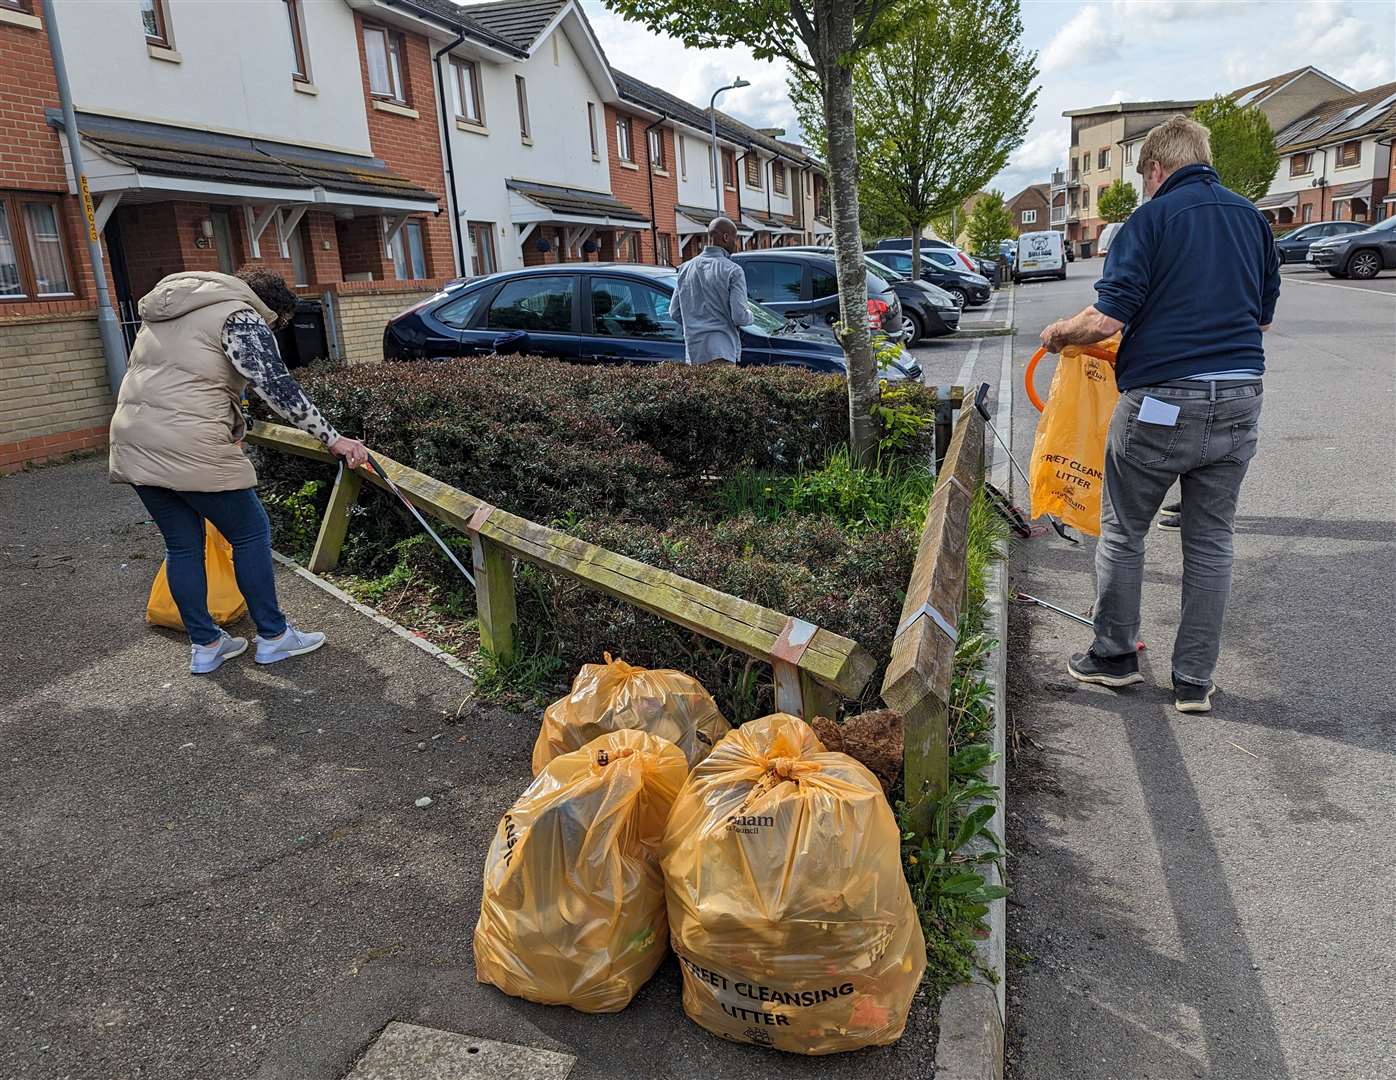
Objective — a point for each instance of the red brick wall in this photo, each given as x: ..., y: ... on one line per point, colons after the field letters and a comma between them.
x: 32, y: 155
x: 411, y: 147
x: 632, y: 185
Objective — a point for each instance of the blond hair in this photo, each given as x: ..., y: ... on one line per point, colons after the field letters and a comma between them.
x: 1180, y: 140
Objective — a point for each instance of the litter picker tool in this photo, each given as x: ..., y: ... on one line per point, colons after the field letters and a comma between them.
x: 420, y: 519
x: 979, y: 397
x: 1024, y: 598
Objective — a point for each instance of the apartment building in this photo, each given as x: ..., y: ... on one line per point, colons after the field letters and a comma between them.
x: 1336, y: 161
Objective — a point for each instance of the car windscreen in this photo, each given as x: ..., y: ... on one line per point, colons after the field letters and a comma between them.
x: 884, y: 272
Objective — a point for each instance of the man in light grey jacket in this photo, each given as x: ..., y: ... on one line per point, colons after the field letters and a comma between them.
x: 710, y: 299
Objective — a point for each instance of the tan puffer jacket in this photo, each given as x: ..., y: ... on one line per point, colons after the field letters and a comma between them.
x: 177, y: 422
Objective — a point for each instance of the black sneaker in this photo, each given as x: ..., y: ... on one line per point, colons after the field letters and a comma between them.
x: 1173, y: 523
x: 1189, y: 697
x: 1105, y: 670
x: 1172, y: 508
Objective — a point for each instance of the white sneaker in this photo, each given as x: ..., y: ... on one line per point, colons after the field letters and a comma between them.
x: 291, y: 643
x: 206, y: 658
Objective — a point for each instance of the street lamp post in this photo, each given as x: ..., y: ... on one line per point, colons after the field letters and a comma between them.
x: 735, y: 84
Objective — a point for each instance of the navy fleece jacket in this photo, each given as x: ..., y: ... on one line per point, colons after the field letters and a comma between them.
x: 1193, y: 275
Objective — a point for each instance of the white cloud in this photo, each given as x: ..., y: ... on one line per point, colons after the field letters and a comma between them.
x: 1088, y: 32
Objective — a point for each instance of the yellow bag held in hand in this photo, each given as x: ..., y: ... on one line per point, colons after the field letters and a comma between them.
x: 616, y: 695
x: 225, y: 602
x: 1068, y: 454
x: 788, y: 909
x: 573, y: 906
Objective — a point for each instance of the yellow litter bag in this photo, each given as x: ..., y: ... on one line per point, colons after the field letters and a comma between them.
x: 616, y: 695
x: 1068, y: 455
x: 573, y: 906
x: 225, y: 602
x: 788, y: 909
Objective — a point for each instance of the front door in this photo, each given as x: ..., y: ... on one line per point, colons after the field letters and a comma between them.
x: 223, y: 241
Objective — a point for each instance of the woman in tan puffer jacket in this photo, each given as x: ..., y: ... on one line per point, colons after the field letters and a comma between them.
x: 177, y: 433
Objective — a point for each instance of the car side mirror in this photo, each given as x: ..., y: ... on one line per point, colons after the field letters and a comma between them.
x: 511, y: 343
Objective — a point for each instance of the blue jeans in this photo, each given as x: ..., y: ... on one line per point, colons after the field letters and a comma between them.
x: 239, y: 516
x: 1208, y: 449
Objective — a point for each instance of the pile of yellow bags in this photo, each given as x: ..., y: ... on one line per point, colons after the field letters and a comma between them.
x: 774, y: 866
x: 614, y: 695
x: 788, y: 908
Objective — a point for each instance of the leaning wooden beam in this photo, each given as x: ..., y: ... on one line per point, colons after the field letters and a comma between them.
x: 828, y: 659
x: 917, y: 682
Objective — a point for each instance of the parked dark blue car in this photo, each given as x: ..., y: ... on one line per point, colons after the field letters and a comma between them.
x: 591, y: 313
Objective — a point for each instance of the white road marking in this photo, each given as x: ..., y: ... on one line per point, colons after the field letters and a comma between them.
x: 1335, y: 285
x: 967, y: 368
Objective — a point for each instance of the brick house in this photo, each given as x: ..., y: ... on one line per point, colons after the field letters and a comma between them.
x: 1335, y: 161
x: 1030, y: 208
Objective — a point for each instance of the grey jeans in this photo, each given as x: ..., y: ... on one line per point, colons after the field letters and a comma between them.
x: 1207, y: 450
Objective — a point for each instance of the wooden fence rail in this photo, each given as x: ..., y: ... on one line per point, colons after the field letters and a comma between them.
x: 813, y: 668
x: 917, y: 682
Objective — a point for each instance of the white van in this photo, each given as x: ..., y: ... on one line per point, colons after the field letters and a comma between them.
x: 1107, y: 236
x: 1040, y: 254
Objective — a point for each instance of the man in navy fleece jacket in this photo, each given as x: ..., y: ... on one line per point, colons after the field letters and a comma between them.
x: 1192, y: 279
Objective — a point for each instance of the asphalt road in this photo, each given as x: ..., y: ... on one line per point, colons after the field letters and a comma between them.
x: 1211, y: 896
x: 223, y: 877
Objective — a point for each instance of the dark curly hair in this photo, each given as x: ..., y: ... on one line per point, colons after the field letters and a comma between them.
x: 271, y: 289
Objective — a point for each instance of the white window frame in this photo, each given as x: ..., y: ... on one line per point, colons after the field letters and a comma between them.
x: 591, y: 130
x: 393, y: 42
x: 655, y: 147
x: 521, y: 97
x: 467, y: 73
x: 1029, y: 217
x: 625, y: 143
x: 681, y: 142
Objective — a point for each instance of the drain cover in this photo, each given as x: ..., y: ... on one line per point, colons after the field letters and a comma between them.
x: 411, y: 1052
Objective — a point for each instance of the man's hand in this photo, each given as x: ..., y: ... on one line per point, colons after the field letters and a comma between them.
x: 352, y: 451
x: 1054, y: 338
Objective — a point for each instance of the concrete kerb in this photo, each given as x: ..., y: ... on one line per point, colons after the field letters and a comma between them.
x: 972, y: 1015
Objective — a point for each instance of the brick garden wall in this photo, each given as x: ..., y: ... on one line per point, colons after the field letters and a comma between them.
x: 53, y: 388
x: 362, y: 310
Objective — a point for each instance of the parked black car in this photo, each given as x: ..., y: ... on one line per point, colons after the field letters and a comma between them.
x: 1294, y: 245
x: 927, y: 311
x: 1360, y: 255
x: 591, y: 313
x: 903, y: 243
x: 804, y: 286
x: 941, y: 268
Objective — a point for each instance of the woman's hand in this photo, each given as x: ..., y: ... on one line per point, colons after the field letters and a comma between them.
x: 352, y: 451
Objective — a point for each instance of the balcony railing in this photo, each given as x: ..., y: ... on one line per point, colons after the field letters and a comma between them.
x: 1061, y: 180
x: 1058, y: 215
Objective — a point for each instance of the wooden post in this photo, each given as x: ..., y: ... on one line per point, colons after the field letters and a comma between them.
x: 336, y: 521
x: 816, y: 699
x: 495, y: 604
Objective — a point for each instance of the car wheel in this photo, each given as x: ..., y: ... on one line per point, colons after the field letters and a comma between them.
x: 1062, y: 275
x: 959, y: 295
x: 911, y: 324
x: 1364, y: 265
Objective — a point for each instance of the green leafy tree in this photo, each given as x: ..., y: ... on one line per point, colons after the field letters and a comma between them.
x: 820, y: 39
x: 1117, y: 201
x: 939, y: 108
x: 989, y: 223
x: 1243, y: 145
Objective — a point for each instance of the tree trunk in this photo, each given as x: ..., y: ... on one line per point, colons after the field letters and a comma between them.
x: 916, y: 227
x: 834, y: 27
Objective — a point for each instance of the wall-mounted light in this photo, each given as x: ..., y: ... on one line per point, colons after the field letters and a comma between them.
x: 206, y: 227
x: 591, y: 247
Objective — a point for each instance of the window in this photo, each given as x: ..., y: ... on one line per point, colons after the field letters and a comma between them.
x: 591, y: 128
x: 157, y: 22
x: 460, y: 311
x: 482, y: 259
x: 940, y: 258
x: 1102, y: 160
x: 408, y: 252
x: 1075, y: 169
x: 384, y: 50
x: 770, y: 281
x: 536, y: 304
x: 300, y: 64
x: 666, y: 249
x: 1308, y: 214
x: 623, y: 148
x: 1029, y: 217
x: 630, y: 309
x: 1085, y: 163
x: 683, y: 156
x: 33, y: 257
x: 1350, y: 153
x: 630, y: 248
x: 469, y: 104
x: 17, y: 5
x: 296, y: 244
x: 1085, y: 198
x: 753, y: 171
x: 1129, y: 153
x: 1301, y: 164
x: 778, y: 177
x: 656, y: 140
x: 822, y: 284
x: 1099, y: 192
x: 521, y: 92
x: 712, y: 168
x: 729, y: 170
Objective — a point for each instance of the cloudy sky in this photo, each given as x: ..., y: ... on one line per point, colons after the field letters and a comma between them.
x: 1089, y: 53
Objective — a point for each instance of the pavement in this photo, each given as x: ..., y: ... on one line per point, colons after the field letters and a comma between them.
x: 1211, y: 896
x: 226, y: 876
